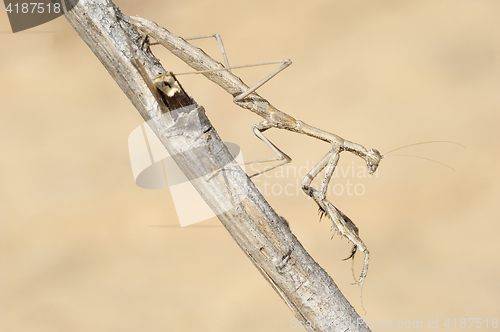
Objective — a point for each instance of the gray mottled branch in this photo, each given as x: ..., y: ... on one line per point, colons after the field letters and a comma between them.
x: 194, y: 144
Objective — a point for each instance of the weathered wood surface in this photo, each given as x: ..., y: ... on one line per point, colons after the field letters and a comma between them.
x: 194, y: 144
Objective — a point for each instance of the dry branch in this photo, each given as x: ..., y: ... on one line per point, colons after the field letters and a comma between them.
x: 194, y: 144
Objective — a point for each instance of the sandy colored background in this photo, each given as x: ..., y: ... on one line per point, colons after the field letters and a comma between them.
x: 78, y: 246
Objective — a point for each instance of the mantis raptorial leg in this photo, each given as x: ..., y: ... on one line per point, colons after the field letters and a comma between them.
x: 246, y: 97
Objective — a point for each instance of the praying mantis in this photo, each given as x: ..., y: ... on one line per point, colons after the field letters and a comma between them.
x: 246, y: 97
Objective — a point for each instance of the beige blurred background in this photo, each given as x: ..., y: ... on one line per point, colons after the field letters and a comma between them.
x: 82, y: 248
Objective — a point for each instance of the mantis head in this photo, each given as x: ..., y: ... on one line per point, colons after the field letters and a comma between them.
x: 373, y: 158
